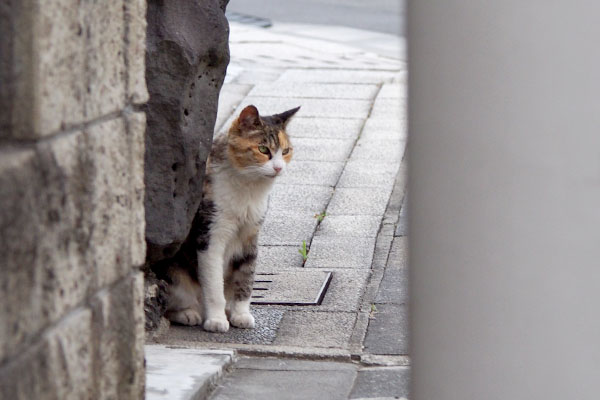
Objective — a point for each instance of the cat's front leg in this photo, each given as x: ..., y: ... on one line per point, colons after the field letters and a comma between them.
x: 210, y: 275
x: 242, y: 280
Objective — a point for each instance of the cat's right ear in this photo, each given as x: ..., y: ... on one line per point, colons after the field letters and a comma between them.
x: 249, y: 119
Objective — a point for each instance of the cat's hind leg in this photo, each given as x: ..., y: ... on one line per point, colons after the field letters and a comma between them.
x: 183, y: 306
x: 240, y: 289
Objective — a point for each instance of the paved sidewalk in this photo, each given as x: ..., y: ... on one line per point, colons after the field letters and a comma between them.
x: 349, y: 139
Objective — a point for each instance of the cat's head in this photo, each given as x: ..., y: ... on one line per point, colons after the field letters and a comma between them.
x: 259, y: 146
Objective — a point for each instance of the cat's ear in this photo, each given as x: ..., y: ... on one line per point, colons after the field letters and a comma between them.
x: 249, y: 118
x: 285, y: 116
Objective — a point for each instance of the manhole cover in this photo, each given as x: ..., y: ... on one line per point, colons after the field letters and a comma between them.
x: 291, y: 288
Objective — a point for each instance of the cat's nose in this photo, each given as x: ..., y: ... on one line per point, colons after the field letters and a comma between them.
x: 277, y: 169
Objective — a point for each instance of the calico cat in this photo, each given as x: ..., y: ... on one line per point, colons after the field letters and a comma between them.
x: 215, y: 288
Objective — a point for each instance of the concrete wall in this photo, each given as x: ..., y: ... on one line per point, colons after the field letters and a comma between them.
x: 505, y: 199
x: 71, y: 199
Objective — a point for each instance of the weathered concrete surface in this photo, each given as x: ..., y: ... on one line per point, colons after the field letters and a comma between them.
x: 186, y: 58
x: 71, y: 199
x: 256, y: 378
x: 182, y: 374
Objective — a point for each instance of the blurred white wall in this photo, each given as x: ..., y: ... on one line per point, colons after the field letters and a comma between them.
x: 504, y: 116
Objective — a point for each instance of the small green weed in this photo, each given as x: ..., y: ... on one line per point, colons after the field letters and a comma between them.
x: 302, y: 250
x: 320, y: 216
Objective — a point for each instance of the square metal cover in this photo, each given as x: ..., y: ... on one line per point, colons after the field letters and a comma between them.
x: 291, y: 288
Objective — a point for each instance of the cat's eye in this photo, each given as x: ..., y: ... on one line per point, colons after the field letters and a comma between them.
x: 264, y: 150
x: 285, y: 151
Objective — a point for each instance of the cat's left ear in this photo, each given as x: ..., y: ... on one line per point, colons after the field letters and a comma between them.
x: 285, y: 116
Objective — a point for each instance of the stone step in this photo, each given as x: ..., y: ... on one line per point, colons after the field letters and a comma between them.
x: 179, y: 373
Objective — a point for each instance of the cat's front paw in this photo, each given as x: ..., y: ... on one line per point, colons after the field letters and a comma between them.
x: 242, y: 320
x: 185, y: 317
x: 216, y: 325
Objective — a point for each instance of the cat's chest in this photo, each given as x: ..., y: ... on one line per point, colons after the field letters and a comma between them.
x: 246, y: 204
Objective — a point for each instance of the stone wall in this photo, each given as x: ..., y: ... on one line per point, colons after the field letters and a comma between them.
x: 71, y: 199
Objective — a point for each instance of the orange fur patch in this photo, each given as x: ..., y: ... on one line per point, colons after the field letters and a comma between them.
x: 284, y: 143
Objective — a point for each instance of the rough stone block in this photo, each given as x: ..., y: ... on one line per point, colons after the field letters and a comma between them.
x: 335, y: 252
x: 299, y: 198
x: 46, y: 69
x: 44, y: 225
x: 366, y: 173
x: 359, y: 201
x: 111, y: 218
x: 312, y: 173
x: 59, y: 366
x: 186, y: 57
x: 136, y: 128
x: 135, y: 40
x: 333, y: 128
x: 309, y: 149
x: 118, y: 339
x: 350, y: 226
x: 105, y: 49
x: 67, y: 231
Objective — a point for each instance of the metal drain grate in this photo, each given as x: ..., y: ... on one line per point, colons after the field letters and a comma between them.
x: 291, y: 288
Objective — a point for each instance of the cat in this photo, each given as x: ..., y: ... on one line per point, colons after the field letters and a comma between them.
x: 214, y: 288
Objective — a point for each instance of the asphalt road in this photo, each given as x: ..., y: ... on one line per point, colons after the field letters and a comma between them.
x: 385, y: 16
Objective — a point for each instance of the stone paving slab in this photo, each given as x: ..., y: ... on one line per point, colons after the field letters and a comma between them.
x: 335, y: 252
x: 182, y: 374
x: 359, y: 201
x: 287, y: 228
x: 312, y: 173
x: 296, y: 384
x: 315, y: 329
x: 345, y: 291
x: 332, y: 128
x: 392, y: 91
x: 332, y: 108
x: 382, y: 382
x: 398, y: 257
x: 299, y: 198
x: 322, y: 149
x: 394, y: 287
x: 274, y: 258
x: 388, y: 107
x: 350, y: 226
x: 388, y: 330
x: 336, y: 76
x: 367, y: 173
x: 283, y: 364
x: 378, y: 150
x: 316, y: 90
x: 267, y: 320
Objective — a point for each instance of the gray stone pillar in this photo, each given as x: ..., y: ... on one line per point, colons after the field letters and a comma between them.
x: 71, y: 199
x: 505, y: 199
x: 186, y: 60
